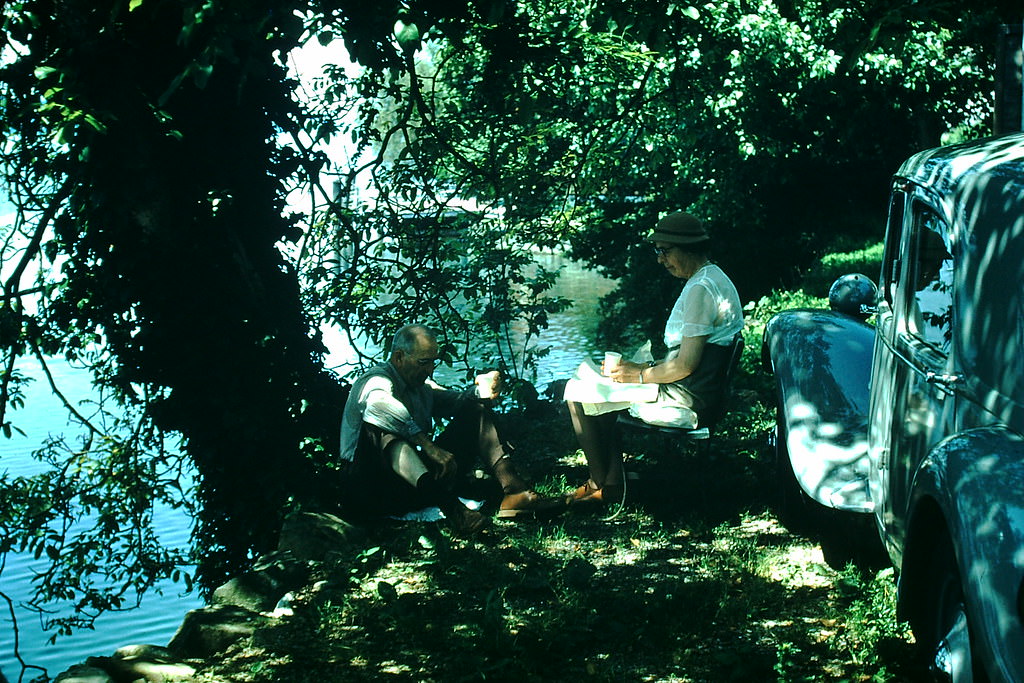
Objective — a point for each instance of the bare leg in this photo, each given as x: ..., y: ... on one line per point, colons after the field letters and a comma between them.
x: 406, y: 462
x: 598, y: 436
x: 474, y: 430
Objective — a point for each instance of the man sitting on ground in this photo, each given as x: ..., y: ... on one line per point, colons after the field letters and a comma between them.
x: 396, y: 465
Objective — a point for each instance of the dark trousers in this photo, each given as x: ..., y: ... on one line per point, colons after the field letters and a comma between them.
x: 372, y: 488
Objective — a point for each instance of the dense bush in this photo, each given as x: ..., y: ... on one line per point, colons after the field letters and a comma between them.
x: 825, y: 271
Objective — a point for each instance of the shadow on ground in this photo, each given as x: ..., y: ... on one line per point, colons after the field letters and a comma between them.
x: 695, y: 579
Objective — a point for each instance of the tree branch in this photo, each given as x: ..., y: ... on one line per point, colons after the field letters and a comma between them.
x: 35, y: 243
x: 37, y: 352
x: 14, y: 628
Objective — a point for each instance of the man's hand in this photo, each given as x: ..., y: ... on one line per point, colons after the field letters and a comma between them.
x: 442, y: 459
x: 488, y: 385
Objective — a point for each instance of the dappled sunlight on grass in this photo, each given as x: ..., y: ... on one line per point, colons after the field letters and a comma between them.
x: 575, y: 459
x: 800, y: 566
x: 695, y: 580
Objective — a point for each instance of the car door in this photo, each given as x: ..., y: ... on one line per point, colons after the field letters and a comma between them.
x: 911, y: 351
x: 884, y: 369
x: 923, y: 400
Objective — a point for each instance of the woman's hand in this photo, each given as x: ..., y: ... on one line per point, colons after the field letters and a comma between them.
x: 627, y: 371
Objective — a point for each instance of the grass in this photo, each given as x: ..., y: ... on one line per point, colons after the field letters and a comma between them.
x: 696, y: 580
x: 866, y: 260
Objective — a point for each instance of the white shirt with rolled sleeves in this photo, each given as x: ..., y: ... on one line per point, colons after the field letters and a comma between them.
x: 382, y: 398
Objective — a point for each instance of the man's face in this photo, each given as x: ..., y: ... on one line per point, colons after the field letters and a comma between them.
x: 417, y: 365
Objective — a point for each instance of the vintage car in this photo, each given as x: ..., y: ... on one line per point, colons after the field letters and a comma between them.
x: 918, y: 419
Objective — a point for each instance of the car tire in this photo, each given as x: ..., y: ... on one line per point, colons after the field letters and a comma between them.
x: 792, y: 502
x: 941, y: 627
x: 844, y: 537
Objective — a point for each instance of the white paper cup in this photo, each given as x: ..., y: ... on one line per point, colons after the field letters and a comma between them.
x: 611, y: 361
x: 487, y: 385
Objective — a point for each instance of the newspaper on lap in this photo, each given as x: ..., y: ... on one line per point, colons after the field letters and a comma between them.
x: 652, y: 403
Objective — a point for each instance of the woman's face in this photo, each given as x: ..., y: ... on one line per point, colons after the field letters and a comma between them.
x: 676, y: 261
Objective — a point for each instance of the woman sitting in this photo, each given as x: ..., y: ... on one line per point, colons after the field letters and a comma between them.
x: 698, y: 334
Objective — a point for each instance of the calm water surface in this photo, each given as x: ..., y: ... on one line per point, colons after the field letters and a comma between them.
x: 155, y: 622
x: 568, y: 338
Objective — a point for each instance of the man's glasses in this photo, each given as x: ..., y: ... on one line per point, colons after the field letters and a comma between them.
x: 661, y: 251
x: 428, y: 362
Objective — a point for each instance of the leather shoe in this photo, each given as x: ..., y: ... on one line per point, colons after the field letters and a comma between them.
x: 463, y: 521
x: 592, y: 494
x: 528, y: 503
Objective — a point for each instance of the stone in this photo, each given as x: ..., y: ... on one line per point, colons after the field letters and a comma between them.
x: 326, y: 593
x: 154, y: 653
x: 285, y: 607
x: 312, y: 536
x: 207, y: 631
x: 134, y: 670
x: 260, y: 590
x: 84, y: 673
x: 150, y: 663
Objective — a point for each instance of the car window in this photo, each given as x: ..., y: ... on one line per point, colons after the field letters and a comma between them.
x: 931, y: 272
x: 891, y: 258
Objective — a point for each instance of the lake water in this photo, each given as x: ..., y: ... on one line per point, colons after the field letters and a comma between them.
x: 569, y: 339
x: 566, y: 341
x: 154, y: 623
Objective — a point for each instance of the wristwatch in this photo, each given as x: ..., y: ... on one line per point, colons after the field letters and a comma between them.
x: 645, y: 366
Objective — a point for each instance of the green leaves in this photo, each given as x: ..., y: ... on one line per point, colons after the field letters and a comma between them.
x: 540, y: 126
x: 407, y: 34
x: 44, y: 72
x: 89, y: 514
x: 689, y: 11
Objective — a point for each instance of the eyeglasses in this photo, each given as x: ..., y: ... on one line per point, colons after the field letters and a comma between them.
x: 428, y: 362
x: 661, y: 251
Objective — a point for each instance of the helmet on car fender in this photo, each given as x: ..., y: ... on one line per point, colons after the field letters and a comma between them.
x: 853, y: 295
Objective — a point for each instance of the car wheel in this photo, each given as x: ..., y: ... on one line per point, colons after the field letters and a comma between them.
x: 943, y: 632
x: 844, y: 537
x: 792, y: 501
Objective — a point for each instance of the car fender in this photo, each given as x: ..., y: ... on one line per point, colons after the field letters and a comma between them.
x: 821, y: 360
x: 971, y: 486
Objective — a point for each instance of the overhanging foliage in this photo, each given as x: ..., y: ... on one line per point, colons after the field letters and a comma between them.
x: 144, y: 151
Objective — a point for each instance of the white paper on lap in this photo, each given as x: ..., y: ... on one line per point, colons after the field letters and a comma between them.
x: 589, y: 386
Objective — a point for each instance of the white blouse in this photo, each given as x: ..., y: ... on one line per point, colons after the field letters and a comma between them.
x: 708, y: 305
